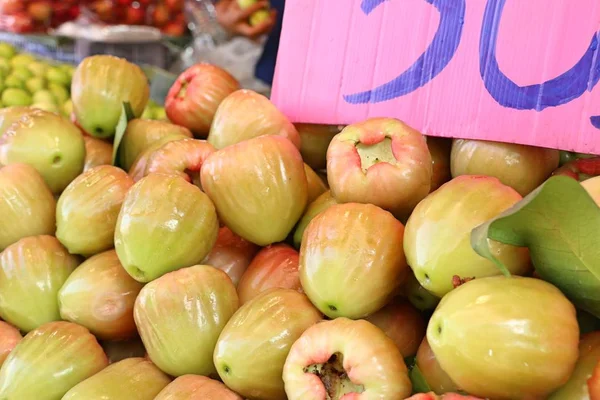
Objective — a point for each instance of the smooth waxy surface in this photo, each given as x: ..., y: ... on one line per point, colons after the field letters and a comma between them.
x: 437, y: 379
x: 9, y: 337
x: 183, y: 158
x: 97, y: 152
x: 9, y: 115
x: 195, y: 387
x: 321, y: 203
x: 138, y: 168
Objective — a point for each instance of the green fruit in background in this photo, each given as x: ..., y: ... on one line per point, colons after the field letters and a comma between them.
x: 16, y: 97
x: 320, y: 204
x: 13, y: 81
x: 46, y: 106
x: 147, y: 114
x: 130, y: 379
x: 22, y: 73
x: 48, y: 142
x: 58, y: 76
x: 179, y: 333
x: 44, y: 96
x: 49, y: 361
x: 160, y: 114
x: 35, y: 84
x: 68, y: 69
x: 60, y: 93
x: 7, y: 51
x: 259, y: 17
x: 32, y: 271
x: 165, y: 224
x: 5, y: 66
x: 27, y: 206
x: 21, y: 60
x: 67, y: 108
x: 101, y: 84
x: 87, y: 210
x: 2, y: 85
x: 38, y: 68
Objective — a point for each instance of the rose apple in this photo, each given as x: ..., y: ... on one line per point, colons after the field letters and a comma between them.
x: 180, y: 316
x: 97, y: 152
x: 141, y: 134
x: 402, y: 323
x: 231, y: 254
x: 175, y: 28
x: 101, y: 84
x: 437, y: 379
x: 275, y: 266
x: 195, y: 96
x: 244, y: 115
x: 135, y: 15
x: 27, y: 206
x: 10, y: 115
x: 164, y: 224
x: 316, y: 186
x: 194, y: 387
x: 160, y: 15
x: 49, y: 361
x: 344, y: 359
x: 133, y: 378
x: 40, y: 11
x: 117, y: 350
x: 418, y: 295
x: 174, y: 5
x: 521, y: 167
x: 351, y: 259
x: 440, y: 149
x: 48, y: 142
x: 138, y: 168
x: 594, y: 383
x: 265, y: 327
x: 10, y: 7
x: 314, y: 142
x: 381, y: 161
x: 593, y: 188
x: 87, y: 211
x: 321, y: 203
x: 439, y: 250
x: 252, y: 181
x: 448, y: 396
x: 32, y: 272
x: 506, y: 338
x: 9, y: 337
x: 580, y: 169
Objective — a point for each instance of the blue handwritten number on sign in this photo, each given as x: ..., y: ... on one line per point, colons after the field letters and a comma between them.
x: 432, y: 61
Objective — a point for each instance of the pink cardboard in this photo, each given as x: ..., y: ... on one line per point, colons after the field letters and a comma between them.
x: 519, y: 71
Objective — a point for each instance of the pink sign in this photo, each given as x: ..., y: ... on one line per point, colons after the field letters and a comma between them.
x: 521, y: 71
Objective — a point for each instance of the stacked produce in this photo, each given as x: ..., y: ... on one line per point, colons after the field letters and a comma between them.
x: 226, y: 253
x: 28, y: 16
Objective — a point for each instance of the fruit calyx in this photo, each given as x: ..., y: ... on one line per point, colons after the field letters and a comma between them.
x: 334, y: 377
x: 375, y: 153
x: 457, y: 280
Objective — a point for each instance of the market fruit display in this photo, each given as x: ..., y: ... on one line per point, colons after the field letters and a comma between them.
x: 273, y: 260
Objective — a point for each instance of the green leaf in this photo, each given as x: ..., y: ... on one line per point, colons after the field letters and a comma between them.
x: 419, y: 383
x: 126, y: 116
x: 560, y: 224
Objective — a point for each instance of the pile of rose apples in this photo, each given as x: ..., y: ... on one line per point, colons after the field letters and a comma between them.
x: 230, y: 254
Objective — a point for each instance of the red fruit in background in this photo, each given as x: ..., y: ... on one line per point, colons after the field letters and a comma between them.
x: 174, y: 29
x: 40, y: 10
x: 174, y: 5
x: 103, y: 9
x: 594, y: 383
x: 19, y: 23
x: 9, y: 7
x: 135, y: 15
x: 160, y: 15
x: 124, y: 2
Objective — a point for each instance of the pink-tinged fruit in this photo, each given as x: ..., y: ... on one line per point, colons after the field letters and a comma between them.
x: 447, y: 396
x: 97, y: 152
x: 9, y: 337
x: 138, y: 168
x: 195, y: 387
x: 321, y: 203
x: 437, y: 379
x: 594, y: 383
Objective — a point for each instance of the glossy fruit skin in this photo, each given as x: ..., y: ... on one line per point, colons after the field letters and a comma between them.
x: 195, y: 387
x: 183, y: 158
x: 9, y: 337
x: 138, y: 168
x: 275, y: 266
x: 194, y: 98
x: 521, y: 167
x: 438, y: 241
x: 231, y: 254
x: 132, y: 379
x: 10, y: 115
x: 447, y: 396
x: 251, y: 181
x: 87, y: 211
x: 321, y: 203
x: 171, y: 314
x: 27, y: 206
x: 100, y: 295
x: 402, y: 323
x: 32, y: 272
x: 314, y: 142
x: 522, y: 333
x: 59, y: 148
x: 244, y: 115
x: 316, y: 185
x: 440, y: 149
x: 265, y: 327
x: 370, y: 358
x: 417, y: 295
x: 589, y: 356
x: 49, y: 361
x: 437, y: 379
x: 164, y: 224
x: 593, y: 188
x: 100, y: 86
x: 97, y: 152
x: 140, y: 134
x: 396, y: 184
x: 351, y: 259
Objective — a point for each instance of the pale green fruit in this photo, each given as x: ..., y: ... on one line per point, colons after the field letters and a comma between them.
x: 67, y: 108
x: 5, y: 66
x: 97, y: 152
x: 87, y: 211
x: 180, y: 315
x: 50, y: 143
x: 49, y: 361
x: 160, y: 114
x: 316, y: 185
x: 8, y: 115
x: 35, y: 84
x: 21, y: 60
x: 44, y: 96
x: 7, y: 50
x: 14, y: 82
x: 130, y: 379
x: 101, y: 84
x: 265, y: 327
x: 69, y: 69
x: 195, y: 387
x: 59, y: 92
x: 10, y: 337
x: 27, y: 206
x: 16, y: 97
x: 165, y: 224
x: 38, y: 68
x: 259, y: 17
x: 32, y: 271
x: 320, y: 204
x: 58, y: 76
x: 505, y: 338
x: 50, y: 107
x: 22, y: 73
x: 148, y: 113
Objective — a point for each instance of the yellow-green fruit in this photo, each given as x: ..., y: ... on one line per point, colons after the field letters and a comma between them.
x: 10, y: 337
x: 32, y: 271
x: 87, y: 211
x: 130, y: 379
x: 38, y: 68
x: 50, y: 107
x: 67, y: 108
x: 505, y: 338
x: 138, y: 168
x: 9, y: 115
x: 180, y: 315
x: 60, y: 93
x: 22, y: 60
x: 59, y: 76
x: 316, y: 185
x: 47, y: 141
x: 49, y: 361
x: 44, y: 96
x: 97, y: 152
x: 265, y: 327
x: 437, y: 240
x: 253, y: 180
x: 15, y: 97
x: 27, y: 206
x: 100, y: 86
x: 195, y: 387
x: 35, y: 84
x: 259, y: 17
x: 7, y: 51
x: 165, y: 224
x: 321, y: 203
